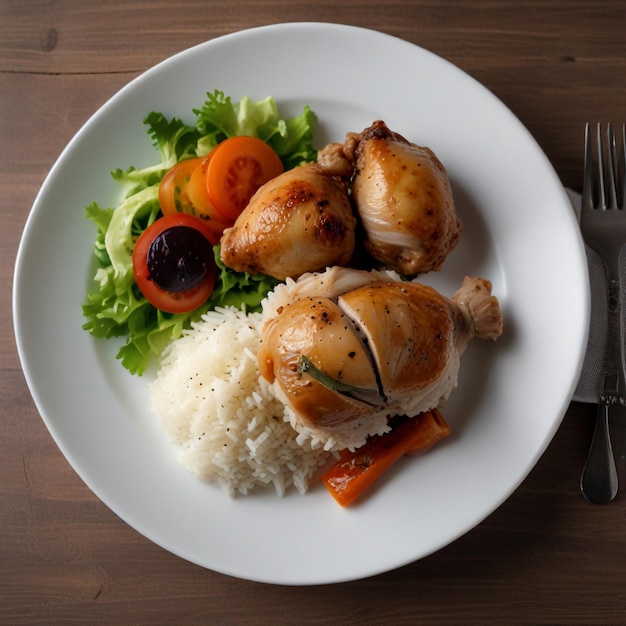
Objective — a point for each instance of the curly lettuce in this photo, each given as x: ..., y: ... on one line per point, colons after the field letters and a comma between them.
x: 291, y: 139
x: 115, y: 306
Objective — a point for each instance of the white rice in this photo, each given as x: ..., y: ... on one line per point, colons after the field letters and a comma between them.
x: 213, y: 403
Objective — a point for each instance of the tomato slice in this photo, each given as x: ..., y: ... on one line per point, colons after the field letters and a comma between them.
x: 183, y: 279
x: 238, y: 167
x: 173, y: 196
x: 198, y: 195
x: 183, y: 190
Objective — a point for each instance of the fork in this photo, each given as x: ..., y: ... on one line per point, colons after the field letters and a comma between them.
x: 603, y: 225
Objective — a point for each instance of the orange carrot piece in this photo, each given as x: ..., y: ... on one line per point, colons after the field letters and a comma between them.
x: 355, y: 471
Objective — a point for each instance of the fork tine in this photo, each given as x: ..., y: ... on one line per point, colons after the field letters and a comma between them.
x: 617, y: 171
x: 587, y: 198
x: 601, y: 196
x: 604, y: 182
x: 612, y: 164
x: 621, y: 172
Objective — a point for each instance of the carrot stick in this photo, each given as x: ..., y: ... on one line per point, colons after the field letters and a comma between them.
x: 355, y: 471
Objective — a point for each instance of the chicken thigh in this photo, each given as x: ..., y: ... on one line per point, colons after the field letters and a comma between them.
x: 300, y: 221
x: 301, y: 340
x: 402, y: 195
x: 378, y: 345
x: 417, y: 336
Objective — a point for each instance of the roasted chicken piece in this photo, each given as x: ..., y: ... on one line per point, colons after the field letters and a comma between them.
x: 302, y: 339
x: 402, y: 195
x: 369, y: 347
x: 417, y: 336
x: 300, y: 221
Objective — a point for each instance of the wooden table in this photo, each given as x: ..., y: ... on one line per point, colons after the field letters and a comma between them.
x: 545, y: 556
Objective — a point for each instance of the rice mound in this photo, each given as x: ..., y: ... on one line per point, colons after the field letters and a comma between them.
x: 211, y: 400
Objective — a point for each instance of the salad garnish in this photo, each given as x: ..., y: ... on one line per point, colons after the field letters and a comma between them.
x: 117, y: 306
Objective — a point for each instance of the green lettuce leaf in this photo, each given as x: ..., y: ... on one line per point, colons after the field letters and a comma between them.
x: 239, y: 289
x: 292, y: 138
x: 175, y: 141
x: 115, y: 307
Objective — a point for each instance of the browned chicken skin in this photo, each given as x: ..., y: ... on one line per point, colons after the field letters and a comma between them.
x: 378, y: 346
x: 346, y: 349
x: 402, y: 195
x: 308, y: 326
x: 301, y: 221
x: 410, y: 331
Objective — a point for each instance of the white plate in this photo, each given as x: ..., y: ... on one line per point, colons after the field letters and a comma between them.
x: 519, y: 232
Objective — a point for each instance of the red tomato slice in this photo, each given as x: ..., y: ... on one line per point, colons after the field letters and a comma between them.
x: 238, y: 167
x: 183, y: 190
x: 162, y: 278
x: 173, y: 196
x: 198, y: 196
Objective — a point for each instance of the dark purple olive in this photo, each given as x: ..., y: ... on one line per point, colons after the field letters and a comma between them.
x: 179, y: 258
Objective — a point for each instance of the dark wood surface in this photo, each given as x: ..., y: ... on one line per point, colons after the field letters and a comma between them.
x: 545, y: 556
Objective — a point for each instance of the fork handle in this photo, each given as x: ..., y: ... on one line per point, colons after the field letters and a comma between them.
x: 615, y: 334
x: 598, y: 482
